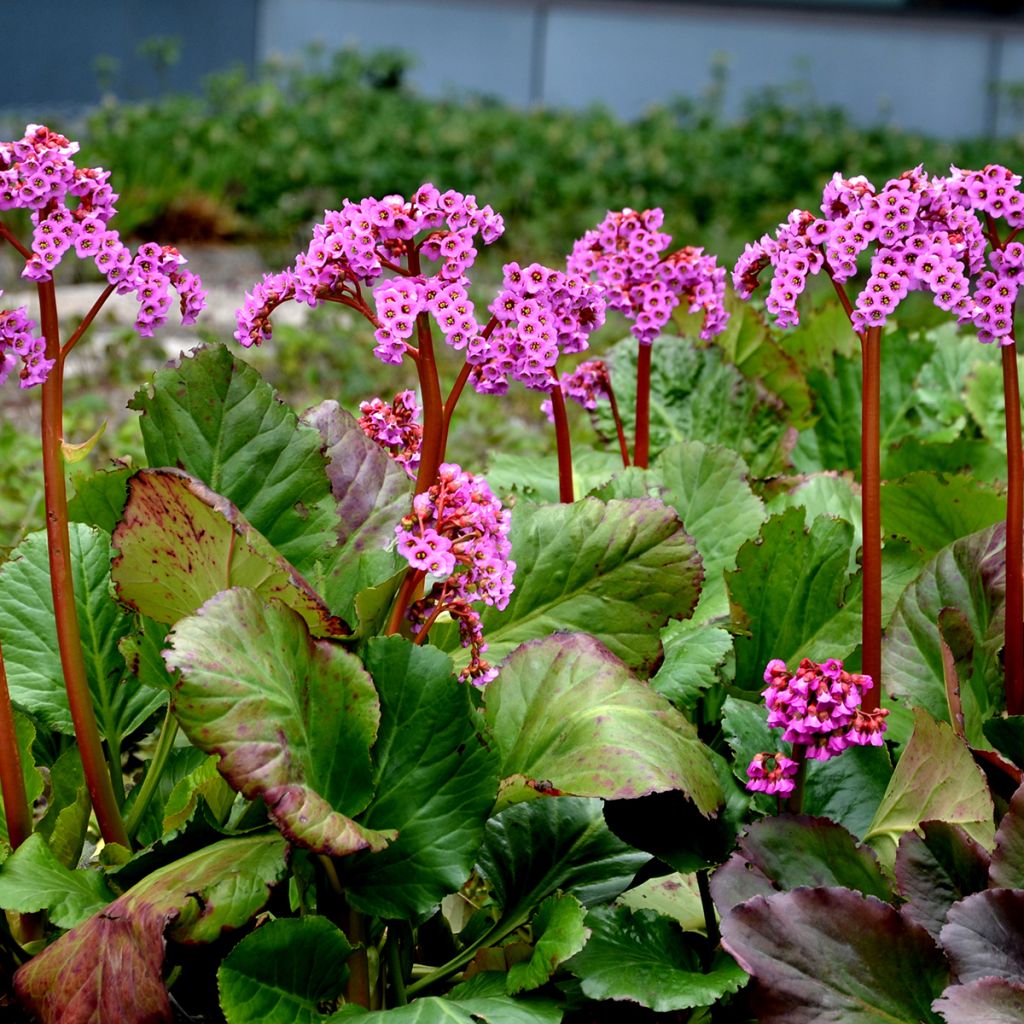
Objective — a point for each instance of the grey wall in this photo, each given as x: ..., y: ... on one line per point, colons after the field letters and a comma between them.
x: 912, y: 70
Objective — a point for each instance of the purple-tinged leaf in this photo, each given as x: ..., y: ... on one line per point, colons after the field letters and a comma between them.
x: 371, y: 492
x: 984, y: 936
x: 834, y: 955
x: 180, y: 543
x: 736, y: 881
x: 110, y: 967
x: 936, y: 779
x: 566, y: 710
x: 1007, y: 867
x: 291, y: 716
x: 937, y: 868
x: 986, y: 1001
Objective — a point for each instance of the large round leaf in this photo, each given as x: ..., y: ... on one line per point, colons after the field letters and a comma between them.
x: 832, y: 954
x: 992, y: 1000
x: 566, y: 710
x: 433, y: 779
x: 618, y: 570
x: 291, y: 717
x: 1007, y: 867
x: 984, y: 936
x: 643, y: 957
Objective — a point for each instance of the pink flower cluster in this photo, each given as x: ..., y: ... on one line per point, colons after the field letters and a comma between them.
x: 458, y: 529
x: 924, y: 234
x: 540, y: 314
x: 584, y: 385
x: 353, y: 246
x: 772, y: 773
x: 18, y: 338
x: 71, y: 207
x: 819, y: 707
x: 394, y: 428
x: 623, y: 254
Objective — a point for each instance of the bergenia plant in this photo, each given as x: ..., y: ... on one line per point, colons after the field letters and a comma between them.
x: 71, y: 208
x: 625, y: 255
x: 916, y: 233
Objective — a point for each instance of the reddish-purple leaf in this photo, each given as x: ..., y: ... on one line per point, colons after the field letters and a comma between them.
x: 984, y: 936
x: 834, y: 955
x: 935, y: 870
x: 986, y: 1001
x: 1007, y: 868
x: 110, y: 967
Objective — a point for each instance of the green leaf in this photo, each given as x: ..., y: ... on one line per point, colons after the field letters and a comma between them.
x: 371, y: 493
x: 29, y: 637
x: 833, y: 954
x: 618, y: 571
x: 99, y: 498
x: 848, y: 788
x: 985, y: 398
x: 291, y: 716
x: 824, y: 494
x: 932, y: 511
x: 788, y: 595
x: 434, y: 780
x: 707, y: 486
x: 202, y: 785
x: 644, y: 958
x: 534, y: 849
x: 696, y: 395
x: 282, y: 972
x: 694, y: 653
x: 969, y: 576
x: 537, y: 479
x: 936, y: 778
x: 180, y: 765
x: 745, y: 725
x: 565, y: 709
x: 180, y: 543
x: 32, y: 879
x: 676, y: 896
x: 31, y: 777
x: 112, y: 963
x: 559, y: 933
x: 1006, y: 734
x: 434, y: 1010
x: 64, y: 824
x: 212, y: 416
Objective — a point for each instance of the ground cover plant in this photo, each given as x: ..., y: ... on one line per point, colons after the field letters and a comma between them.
x: 304, y: 721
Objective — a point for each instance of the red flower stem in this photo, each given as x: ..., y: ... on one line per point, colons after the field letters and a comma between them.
x: 565, y: 490
x: 22, y: 251
x: 413, y: 578
x: 430, y: 388
x: 16, y: 808
x: 453, y: 399
x: 642, y: 443
x: 871, y: 514
x: 623, y: 446
x: 86, y: 321
x: 76, y: 682
x: 1013, y: 656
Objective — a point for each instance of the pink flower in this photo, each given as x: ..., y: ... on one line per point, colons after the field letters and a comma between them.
x: 772, y: 773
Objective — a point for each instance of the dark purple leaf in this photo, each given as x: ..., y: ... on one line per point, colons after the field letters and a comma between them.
x: 1007, y: 868
x: 986, y: 1001
x: 984, y: 936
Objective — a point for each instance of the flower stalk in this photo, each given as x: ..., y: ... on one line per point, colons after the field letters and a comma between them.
x: 16, y: 808
x: 1014, y: 636
x: 871, y: 513
x: 565, y: 485
x: 642, y: 441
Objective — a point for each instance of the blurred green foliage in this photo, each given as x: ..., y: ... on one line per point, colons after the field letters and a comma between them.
x: 261, y: 158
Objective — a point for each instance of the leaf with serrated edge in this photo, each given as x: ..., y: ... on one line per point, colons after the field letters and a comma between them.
x: 984, y: 936
x: 180, y: 543
x: 212, y: 415
x: 618, y: 571
x: 32, y: 879
x: 988, y: 1000
x: 282, y: 972
x: 565, y: 709
x: 109, y: 967
x: 1007, y: 866
x: 291, y: 716
x: 787, y: 590
x: 693, y: 654
x: 29, y: 637
x: 642, y: 957
x: 835, y: 955
x: 559, y: 933
x: 935, y: 778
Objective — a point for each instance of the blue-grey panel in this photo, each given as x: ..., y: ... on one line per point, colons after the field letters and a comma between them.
x: 928, y: 77
x: 457, y: 46
x: 52, y: 60
x: 1010, y: 91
